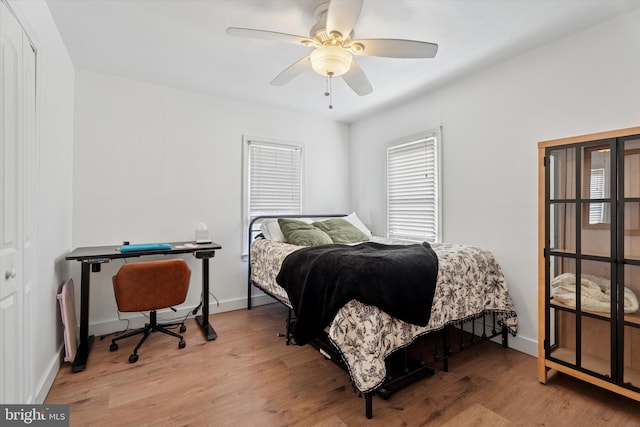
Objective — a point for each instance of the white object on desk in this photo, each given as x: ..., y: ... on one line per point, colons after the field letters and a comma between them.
x: 202, y: 233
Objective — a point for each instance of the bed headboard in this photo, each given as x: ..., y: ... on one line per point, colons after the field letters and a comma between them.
x: 263, y: 217
x: 250, y: 239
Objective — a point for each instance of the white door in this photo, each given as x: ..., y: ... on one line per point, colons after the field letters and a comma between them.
x: 17, y: 141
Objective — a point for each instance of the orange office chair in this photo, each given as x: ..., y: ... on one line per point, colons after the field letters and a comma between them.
x: 150, y: 286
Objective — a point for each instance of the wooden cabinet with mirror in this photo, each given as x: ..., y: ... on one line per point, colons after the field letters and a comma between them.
x: 589, y: 234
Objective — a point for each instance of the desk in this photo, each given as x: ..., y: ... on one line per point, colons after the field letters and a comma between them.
x: 93, y: 257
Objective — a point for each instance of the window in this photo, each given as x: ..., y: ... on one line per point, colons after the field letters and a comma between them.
x: 413, y: 205
x: 596, y: 173
x: 273, y: 180
x: 597, y: 191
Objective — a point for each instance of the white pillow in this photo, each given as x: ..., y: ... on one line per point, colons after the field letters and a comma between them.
x: 271, y: 230
x: 353, y: 219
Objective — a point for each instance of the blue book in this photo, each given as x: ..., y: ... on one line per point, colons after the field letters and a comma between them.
x: 145, y: 247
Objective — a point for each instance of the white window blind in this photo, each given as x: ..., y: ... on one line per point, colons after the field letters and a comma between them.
x: 272, y: 181
x: 275, y: 173
x: 412, y: 190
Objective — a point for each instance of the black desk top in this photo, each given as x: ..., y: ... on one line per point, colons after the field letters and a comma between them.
x: 112, y: 252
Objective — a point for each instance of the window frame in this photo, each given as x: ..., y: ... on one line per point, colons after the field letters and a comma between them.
x: 247, y: 142
x: 433, y: 139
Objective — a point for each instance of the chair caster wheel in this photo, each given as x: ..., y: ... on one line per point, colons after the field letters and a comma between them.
x: 183, y: 328
x: 113, y: 347
x: 133, y: 358
x: 182, y: 344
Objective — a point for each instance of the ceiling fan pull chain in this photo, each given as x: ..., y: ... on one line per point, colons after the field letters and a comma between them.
x: 326, y: 86
x: 329, y: 91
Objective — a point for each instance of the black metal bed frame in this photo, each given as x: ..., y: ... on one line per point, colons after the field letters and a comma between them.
x: 408, y: 364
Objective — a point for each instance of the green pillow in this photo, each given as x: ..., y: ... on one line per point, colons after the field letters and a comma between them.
x: 302, y: 234
x: 341, y: 231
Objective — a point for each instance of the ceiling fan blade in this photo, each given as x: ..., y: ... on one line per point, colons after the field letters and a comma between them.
x: 342, y: 16
x: 269, y: 35
x: 357, y: 80
x: 396, y: 48
x: 292, y: 72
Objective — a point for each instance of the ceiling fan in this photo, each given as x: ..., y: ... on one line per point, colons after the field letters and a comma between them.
x: 334, y: 46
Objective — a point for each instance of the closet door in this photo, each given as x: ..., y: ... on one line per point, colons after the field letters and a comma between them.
x: 18, y: 185
x: 30, y: 165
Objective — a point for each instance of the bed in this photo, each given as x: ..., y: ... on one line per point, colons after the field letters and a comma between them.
x: 382, y: 353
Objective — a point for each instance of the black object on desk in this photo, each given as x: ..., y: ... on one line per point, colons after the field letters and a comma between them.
x: 92, y: 257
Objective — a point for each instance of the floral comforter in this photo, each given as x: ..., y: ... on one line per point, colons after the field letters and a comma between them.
x: 470, y: 282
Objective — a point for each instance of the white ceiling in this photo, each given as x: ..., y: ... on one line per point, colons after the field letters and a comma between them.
x: 183, y: 44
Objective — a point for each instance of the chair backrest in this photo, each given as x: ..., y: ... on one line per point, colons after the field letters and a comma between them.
x: 151, y: 285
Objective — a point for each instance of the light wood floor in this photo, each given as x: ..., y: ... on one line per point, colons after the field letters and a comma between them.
x: 249, y: 377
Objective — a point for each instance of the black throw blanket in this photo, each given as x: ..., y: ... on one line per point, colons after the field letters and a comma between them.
x: 398, y: 279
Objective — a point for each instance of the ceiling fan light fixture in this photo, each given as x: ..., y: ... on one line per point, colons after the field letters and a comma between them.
x: 333, y: 41
x: 330, y: 60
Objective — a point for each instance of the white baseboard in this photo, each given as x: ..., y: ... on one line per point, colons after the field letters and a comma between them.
x: 137, y: 320
x: 240, y: 303
x: 521, y: 344
x: 45, y: 383
x: 524, y: 344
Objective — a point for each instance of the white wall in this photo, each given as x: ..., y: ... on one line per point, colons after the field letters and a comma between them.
x: 492, y: 121
x: 55, y: 75
x: 151, y: 162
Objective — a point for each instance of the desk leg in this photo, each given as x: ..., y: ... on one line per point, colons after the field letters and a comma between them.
x: 203, y: 320
x: 82, y: 354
